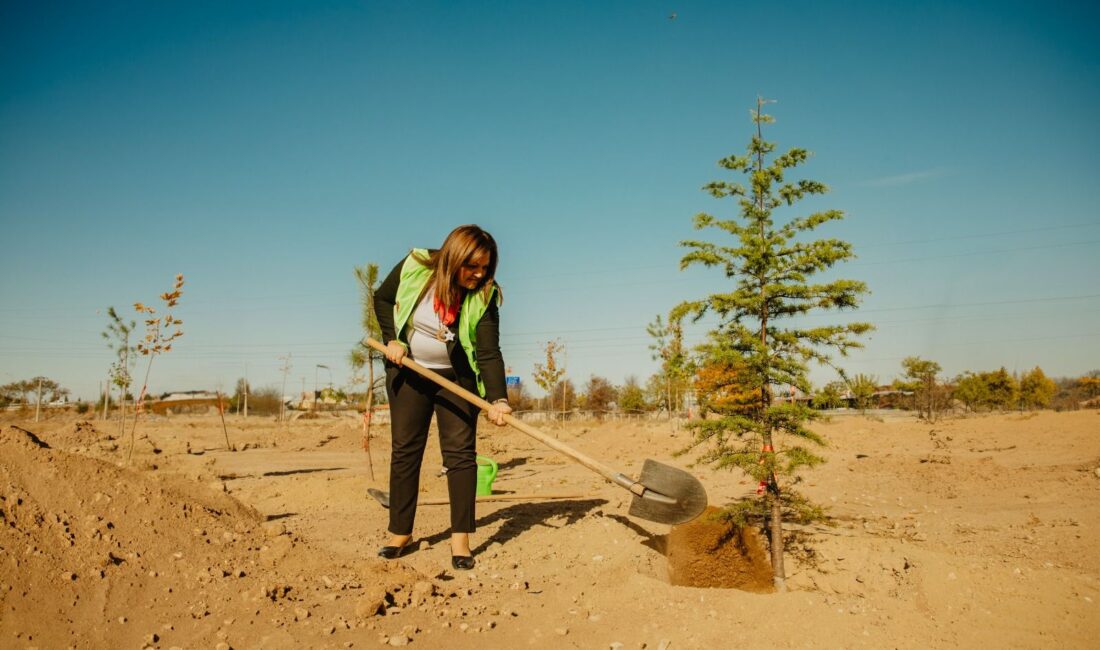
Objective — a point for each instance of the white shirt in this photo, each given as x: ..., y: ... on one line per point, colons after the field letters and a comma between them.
x: 424, y: 347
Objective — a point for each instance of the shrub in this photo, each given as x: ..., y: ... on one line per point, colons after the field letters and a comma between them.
x: 264, y: 401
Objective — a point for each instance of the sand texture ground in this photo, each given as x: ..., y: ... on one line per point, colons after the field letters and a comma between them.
x: 971, y: 532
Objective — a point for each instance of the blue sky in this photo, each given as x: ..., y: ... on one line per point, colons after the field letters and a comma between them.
x: 265, y: 149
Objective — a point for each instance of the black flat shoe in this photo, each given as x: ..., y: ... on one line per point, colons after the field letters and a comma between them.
x: 462, y: 562
x: 391, y: 552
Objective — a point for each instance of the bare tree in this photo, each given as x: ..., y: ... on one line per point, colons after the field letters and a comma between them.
x: 158, y: 340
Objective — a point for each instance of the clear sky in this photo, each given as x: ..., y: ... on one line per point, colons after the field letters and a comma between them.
x: 265, y: 149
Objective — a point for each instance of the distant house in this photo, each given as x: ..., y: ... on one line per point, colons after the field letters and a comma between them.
x: 191, y: 401
x: 789, y: 393
x: 189, y: 394
x: 887, y: 397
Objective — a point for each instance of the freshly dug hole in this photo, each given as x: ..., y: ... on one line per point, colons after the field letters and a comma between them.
x: 708, y: 552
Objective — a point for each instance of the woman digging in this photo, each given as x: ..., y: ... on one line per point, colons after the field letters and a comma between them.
x: 439, y: 307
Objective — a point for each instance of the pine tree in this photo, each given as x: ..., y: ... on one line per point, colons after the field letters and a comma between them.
x: 668, y: 347
x: 771, y: 266
x: 723, y: 383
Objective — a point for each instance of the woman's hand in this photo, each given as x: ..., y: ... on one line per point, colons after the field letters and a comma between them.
x: 395, y: 352
x: 497, y: 411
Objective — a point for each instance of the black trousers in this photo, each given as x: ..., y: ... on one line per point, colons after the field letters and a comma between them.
x: 413, y: 401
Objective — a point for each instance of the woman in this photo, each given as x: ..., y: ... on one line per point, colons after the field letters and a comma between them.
x: 439, y: 307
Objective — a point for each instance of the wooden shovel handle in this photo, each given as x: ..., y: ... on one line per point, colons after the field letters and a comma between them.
x: 591, y: 463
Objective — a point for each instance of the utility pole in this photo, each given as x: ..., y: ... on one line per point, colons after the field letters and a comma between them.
x: 38, y: 404
x: 317, y: 395
x: 564, y: 365
x: 246, y: 391
x: 282, y: 395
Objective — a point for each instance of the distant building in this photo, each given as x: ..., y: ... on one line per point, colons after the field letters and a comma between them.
x: 188, y: 395
x: 190, y: 401
x: 789, y: 393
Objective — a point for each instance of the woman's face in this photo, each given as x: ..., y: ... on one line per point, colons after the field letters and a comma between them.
x: 471, y: 273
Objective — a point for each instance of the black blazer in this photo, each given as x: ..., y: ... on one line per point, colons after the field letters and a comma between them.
x: 489, y: 359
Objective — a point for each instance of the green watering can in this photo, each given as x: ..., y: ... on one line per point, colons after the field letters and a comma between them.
x: 486, y: 472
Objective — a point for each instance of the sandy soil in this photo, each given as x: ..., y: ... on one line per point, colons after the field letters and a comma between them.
x: 967, y: 533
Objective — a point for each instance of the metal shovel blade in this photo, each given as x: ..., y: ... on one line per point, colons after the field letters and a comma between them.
x: 665, y: 484
x: 380, y: 496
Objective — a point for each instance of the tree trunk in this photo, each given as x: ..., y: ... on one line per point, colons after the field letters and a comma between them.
x: 368, y: 412
x: 930, y: 388
x: 776, y: 516
x: 246, y: 391
x: 775, y: 519
x: 144, y: 386
x: 779, y: 575
x: 221, y: 413
x: 282, y: 399
x: 121, y: 412
x: 38, y: 402
x: 668, y: 396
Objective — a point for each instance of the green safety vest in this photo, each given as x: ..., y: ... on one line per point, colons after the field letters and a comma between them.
x: 414, y: 277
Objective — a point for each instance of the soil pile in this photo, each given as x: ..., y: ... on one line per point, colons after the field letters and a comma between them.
x: 95, y: 555
x: 710, y: 552
x: 82, y: 436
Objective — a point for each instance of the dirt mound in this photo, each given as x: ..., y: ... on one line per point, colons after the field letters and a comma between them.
x: 80, y: 538
x: 100, y: 439
x: 94, y: 554
x: 709, y: 552
x: 78, y: 434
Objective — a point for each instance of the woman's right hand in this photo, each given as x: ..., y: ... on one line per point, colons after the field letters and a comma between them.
x: 395, y: 352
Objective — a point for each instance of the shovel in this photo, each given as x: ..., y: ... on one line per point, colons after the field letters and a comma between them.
x: 664, y: 494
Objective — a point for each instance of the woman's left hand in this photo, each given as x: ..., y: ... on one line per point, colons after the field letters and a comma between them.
x: 497, y: 412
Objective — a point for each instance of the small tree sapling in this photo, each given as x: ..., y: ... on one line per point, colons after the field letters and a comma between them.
x: 157, y: 341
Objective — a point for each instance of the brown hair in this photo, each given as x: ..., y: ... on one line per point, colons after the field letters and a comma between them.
x: 460, y: 246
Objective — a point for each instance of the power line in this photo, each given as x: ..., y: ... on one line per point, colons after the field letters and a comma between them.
x: 973, y: 254
x: 1085, y: 224
x: 619, y: 351
x: 588, y: 286
x: 976, y: 304
x: 312, y: 346
x: 351, y: 295
x: 859, y: 246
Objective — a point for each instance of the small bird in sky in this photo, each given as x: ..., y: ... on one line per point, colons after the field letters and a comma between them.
x: 672, y: 16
